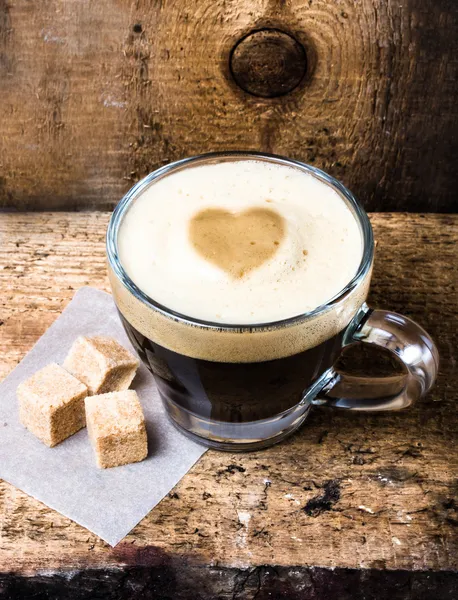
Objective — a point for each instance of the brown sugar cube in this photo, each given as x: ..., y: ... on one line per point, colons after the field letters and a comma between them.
x: 102, y: 364
x: 51, y: 404
x: 116, y: 427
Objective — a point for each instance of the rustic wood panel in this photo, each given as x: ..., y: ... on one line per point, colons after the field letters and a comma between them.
x: 160, y: 582
x: 93, y: 95
x: 318, y: 516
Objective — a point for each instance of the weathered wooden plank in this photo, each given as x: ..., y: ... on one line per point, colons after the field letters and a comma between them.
x: 348, y: 491
x: 93, y: 95
x: 166, y: 581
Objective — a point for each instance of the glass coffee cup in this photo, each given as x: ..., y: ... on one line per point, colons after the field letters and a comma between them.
x: 247, y: 385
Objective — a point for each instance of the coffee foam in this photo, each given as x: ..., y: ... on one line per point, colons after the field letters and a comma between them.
x: 242, y: 344
x: 237, y: 243
x: 156, y: 229
x: 238, y: 274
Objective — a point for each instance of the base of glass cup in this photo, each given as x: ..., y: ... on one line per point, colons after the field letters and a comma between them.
x: 237, y: 437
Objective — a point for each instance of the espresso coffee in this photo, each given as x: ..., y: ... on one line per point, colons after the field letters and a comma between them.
x: 230, y: 254
x: 233, y: 392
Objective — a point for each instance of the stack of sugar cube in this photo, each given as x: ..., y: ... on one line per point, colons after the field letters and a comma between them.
x: 90, y: 388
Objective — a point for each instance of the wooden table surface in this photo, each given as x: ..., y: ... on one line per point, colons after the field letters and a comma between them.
x: 352, y: 506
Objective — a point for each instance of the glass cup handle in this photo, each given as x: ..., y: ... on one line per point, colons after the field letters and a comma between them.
x: 404, y: 338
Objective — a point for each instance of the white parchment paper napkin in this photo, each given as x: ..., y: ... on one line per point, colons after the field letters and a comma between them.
x: 109, y: 502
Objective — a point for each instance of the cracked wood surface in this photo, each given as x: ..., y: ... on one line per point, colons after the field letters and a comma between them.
x: 94, y: 95
x: 348, y: 490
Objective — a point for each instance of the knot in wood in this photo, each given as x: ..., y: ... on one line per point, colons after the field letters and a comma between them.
x: 268, y: 63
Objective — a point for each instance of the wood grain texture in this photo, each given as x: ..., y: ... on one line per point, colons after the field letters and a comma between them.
x: 268, y: 63
x: 94, y: 95
x: 348, y: 491
x: 162, y: 580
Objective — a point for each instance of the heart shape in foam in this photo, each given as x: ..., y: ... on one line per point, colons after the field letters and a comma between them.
x: 237, y: 242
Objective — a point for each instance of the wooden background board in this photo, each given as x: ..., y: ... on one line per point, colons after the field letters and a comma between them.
x: 318, y: 516
x: 94, y: 95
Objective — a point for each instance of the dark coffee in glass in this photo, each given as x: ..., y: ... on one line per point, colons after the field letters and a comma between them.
x: 234, y: 392
x: 239, y: 278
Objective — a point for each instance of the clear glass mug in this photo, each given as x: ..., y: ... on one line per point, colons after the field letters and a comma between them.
x: 237, y: 387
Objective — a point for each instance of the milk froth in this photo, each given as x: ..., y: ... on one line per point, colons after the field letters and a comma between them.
x: 308, y: 242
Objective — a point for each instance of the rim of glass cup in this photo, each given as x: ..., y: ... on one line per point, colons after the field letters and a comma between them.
x: 143, y: 184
